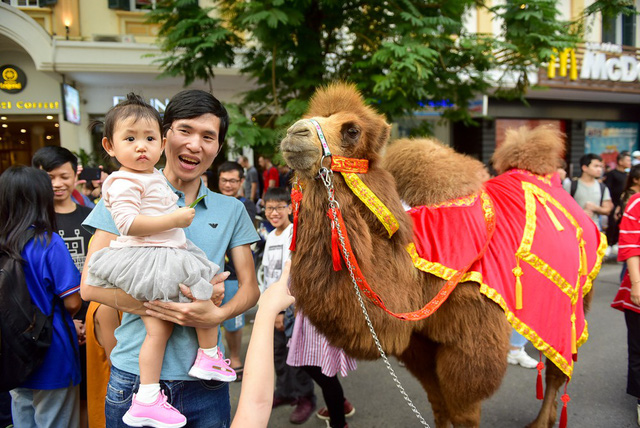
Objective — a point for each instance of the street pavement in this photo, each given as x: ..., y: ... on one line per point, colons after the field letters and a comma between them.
x: 597, y: 390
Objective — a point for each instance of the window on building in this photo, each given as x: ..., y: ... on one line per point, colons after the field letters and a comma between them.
x: 620, y: 30
x: 22, y: 3
x: 143, y: 4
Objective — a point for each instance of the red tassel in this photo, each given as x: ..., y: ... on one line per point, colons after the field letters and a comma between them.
x: 539, y: 387
x: 563, y: 414
x: 335, y: 246
x: 294, y: 235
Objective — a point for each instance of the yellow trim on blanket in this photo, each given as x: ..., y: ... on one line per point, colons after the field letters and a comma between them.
x: 445, y: 273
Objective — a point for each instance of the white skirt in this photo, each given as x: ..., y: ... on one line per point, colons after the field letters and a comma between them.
x: 153, y: 273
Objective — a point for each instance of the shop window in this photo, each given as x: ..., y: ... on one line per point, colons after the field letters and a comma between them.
x: 620, y: 30
x: 135, y: 5
x: 28, y: 3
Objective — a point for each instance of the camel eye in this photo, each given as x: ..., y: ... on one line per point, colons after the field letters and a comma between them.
x: 353, y: 132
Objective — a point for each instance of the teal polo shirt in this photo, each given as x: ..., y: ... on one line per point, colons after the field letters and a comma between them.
x: 221, y: 223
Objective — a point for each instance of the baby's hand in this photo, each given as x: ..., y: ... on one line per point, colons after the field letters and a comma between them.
x: 183, y: 216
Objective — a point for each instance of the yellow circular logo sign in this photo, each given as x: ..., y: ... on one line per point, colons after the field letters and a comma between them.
x: 13, y: 79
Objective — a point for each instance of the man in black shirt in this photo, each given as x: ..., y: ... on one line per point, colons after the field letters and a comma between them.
x: 615, y: 181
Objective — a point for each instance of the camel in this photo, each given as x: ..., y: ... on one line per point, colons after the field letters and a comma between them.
x: 458, y: 353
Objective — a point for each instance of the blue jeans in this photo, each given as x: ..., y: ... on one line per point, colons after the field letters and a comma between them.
x: 46, y: 408
x: 205, y: 403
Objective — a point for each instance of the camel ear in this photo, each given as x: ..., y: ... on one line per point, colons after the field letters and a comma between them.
x: 382, y: 138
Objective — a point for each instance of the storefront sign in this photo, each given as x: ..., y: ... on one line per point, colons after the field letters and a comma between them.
x: 12, y: 79
x: 607, y: 139
x: 29, y: 105
x: 594, y: 66
x: 156, y: 103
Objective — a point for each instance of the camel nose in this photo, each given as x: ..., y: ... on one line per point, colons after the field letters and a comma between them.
x: 299, y: 129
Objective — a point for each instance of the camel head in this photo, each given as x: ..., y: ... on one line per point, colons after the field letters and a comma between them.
x: 352, y: 130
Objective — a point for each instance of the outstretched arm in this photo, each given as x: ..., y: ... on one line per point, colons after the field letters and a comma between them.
x: 256, y: 396
x: 144, y: 225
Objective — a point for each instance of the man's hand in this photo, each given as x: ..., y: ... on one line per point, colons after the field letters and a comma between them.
x: 198, y: 314
x: 279, y: 324
x: 590, y: 208
x: 80, y: 331
x: 635, y: 293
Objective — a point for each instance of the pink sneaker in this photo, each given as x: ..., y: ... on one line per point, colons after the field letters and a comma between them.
x: 158, y: 414
x: 208, y: 368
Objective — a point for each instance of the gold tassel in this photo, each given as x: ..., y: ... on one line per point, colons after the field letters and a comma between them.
x: 553, y: 218
x: 583, y: 260
x: 574, y: 341
x: 517, y: 271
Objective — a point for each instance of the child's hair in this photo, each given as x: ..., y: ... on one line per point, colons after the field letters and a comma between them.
x: 51, y: 157
x: 134, y: 106
x: 229, y: 166
x: 192, y: 103
x: 277, y: 194
x: 26, y: 199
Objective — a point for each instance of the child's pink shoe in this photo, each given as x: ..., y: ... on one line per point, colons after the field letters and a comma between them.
x: 159, y: 414
x: 208, y: 368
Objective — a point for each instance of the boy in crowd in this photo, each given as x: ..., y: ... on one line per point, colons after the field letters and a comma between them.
x: 293, y: 385
x: 592, y: 195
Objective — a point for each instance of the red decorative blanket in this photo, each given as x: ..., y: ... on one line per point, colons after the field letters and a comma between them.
x: 542, y: 259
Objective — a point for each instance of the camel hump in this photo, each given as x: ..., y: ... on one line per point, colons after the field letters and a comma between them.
x: 339, y: 97
x: 427, y: 172
x: 537, y: 150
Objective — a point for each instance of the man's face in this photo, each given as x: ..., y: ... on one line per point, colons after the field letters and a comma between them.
x: 63, y: 181
x: 625, y: 162
x: 191, y: 146
x: 594, y: 169
x: 262, y: 162
x: 229, y: 183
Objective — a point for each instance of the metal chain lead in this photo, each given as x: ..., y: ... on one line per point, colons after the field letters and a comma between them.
x: 326, y: 175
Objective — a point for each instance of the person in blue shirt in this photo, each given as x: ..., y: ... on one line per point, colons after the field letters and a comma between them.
x: 50, y: 396
x: 194, y: 127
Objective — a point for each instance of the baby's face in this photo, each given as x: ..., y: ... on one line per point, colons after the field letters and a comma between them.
x: 137, y: 144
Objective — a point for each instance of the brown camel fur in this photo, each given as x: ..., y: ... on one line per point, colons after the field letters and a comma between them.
x: 459, y: 353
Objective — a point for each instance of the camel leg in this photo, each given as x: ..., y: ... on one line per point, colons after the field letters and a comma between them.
x: 554, y: 379
x: 419, y: 359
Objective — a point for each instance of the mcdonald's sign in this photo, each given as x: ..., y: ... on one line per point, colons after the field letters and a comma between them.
x: 594, y: 66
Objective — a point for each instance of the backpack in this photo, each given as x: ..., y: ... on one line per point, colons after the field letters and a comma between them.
x: 574, y: 187
x: 25, y: 332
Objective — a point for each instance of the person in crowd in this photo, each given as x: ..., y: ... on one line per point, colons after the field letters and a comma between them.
x: 101, y: 324
x: 592, y: 195
x: 49, y: 397
x: 230, y: 180
x: 152, y: 255
x: 562, y: 172
x: 627, y: 299
x: 250, y: 188
x: 517, y: 355
x: 635, y: 158
x: 615, y: 181
x: 194, y: 128
x: 285, y: 176
x: 270, y: 175
x: 293, y: 385
x: 61, y: 166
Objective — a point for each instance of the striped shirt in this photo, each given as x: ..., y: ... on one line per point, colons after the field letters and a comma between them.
x: 308, y: 347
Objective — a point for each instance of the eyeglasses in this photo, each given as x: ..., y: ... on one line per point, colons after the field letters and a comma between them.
x: 232, y: 181
x: 279, y: 208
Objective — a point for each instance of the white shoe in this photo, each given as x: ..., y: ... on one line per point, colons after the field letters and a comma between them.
x: 520, y: 357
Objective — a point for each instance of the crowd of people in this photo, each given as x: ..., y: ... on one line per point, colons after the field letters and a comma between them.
x: 139, y: 350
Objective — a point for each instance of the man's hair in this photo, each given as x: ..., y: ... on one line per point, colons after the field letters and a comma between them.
x: 623, y: 154
x: 192, y: 103
x: 277, y: 194
x: 588, y: 158
x: 229, y: 166
x: 51, y: 157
